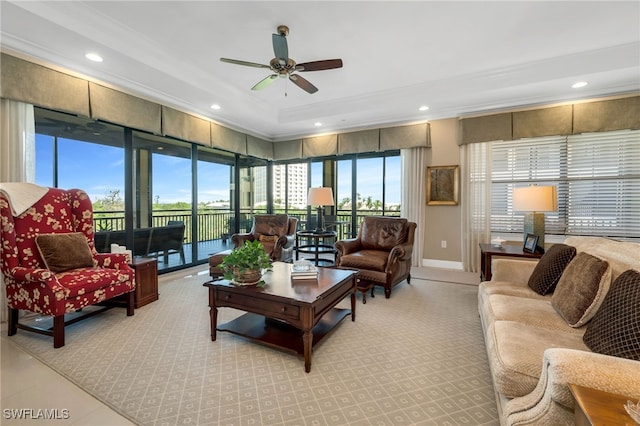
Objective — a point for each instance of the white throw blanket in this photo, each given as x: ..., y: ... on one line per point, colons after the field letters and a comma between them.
x: 22, y: 195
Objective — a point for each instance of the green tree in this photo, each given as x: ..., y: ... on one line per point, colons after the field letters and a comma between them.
x: 112, y: 201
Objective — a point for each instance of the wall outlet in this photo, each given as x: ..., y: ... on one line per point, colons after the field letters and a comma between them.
x: 443, y: 244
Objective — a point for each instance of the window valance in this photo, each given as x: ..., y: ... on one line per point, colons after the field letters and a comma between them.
x: 34, y: 84
x: 228, y: 139
x: 117, y: 107
x: 184, y: 126
x: 597, y: 116
x: 361, y: 141
x: 259, y: 148
x: 320, y: 146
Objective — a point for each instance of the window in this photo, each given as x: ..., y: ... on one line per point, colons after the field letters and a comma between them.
x: 597, y: 176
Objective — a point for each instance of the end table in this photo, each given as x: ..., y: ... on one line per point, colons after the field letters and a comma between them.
x: 596, y: 407
x: 146, y: 280
x: 488, y: 251
x: 316, y: 248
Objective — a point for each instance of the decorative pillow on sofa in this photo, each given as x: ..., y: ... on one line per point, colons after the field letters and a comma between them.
x: 615, y: 328
x: 62, y: 252
x: 268, y: 238
x: 581, y: 289
x: 549, y: 269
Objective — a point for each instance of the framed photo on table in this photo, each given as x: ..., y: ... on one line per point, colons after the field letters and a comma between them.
x: 530, y: 243
x: 443, y: 184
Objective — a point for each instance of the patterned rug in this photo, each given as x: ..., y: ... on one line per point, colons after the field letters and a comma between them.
x: 417, y: 358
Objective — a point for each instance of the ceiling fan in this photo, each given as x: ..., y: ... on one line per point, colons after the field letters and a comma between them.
x: 283, y: 66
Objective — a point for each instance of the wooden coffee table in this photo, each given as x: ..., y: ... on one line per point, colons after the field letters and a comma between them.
x: 290, y: 315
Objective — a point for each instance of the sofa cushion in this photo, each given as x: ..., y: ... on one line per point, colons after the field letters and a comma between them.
x: 535, y: 312
x: 373, y: 260
x: 581, y: 289
x: 549, y: 269
x: 63, y: 252
x: 510, y: 289
x: 516, y: 351
x: 621, y: 255
x: 615, y: 328
x: 268, y: 238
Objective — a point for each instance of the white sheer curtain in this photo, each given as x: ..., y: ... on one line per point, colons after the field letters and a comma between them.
x: 476, y: 208
x: 17, y: 155
x: 17, y: 142
x: 414, y: 166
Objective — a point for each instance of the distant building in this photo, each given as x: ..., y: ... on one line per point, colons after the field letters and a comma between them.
x: 295, y: 175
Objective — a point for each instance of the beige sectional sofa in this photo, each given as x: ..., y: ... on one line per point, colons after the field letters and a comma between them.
x: 533, y: 351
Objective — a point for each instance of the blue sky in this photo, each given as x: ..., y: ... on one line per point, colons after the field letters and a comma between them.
x: 99, y: 169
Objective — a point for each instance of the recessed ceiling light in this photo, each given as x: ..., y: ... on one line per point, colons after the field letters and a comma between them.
x: 423, y: 108
x: 93, y: 57
x: 317, y: 124
x: 579, y: 84
x: 215, y: 106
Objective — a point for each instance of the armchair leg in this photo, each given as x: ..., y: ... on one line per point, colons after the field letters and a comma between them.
x: 131, y: 303
x: 13, y: 321
x: 58, y: 331
x: 409, y: 279
x: 387, y: 292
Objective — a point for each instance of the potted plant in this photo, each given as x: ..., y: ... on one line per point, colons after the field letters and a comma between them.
x: 244, y: 264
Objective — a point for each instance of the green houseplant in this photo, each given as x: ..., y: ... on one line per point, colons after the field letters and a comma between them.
x: 244, y: 264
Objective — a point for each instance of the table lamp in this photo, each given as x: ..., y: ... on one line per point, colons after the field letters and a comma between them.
x: 534, y: 200
x: 320, y: 197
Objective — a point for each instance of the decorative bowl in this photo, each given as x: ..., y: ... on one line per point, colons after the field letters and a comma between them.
x: 497, y: 242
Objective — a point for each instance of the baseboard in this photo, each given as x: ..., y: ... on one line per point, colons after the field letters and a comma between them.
x: 444, y: 264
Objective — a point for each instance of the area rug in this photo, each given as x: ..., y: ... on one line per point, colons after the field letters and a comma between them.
x: 416, y: 358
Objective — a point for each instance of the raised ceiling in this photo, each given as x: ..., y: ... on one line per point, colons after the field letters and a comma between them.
x: 458, y: 58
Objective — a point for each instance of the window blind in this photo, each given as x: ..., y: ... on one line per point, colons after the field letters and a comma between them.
x: 597, y: 176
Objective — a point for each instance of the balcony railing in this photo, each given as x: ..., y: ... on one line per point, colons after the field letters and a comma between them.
x: 219, y: 225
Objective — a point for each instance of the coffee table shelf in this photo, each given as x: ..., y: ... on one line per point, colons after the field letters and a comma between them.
x: 278, y: 334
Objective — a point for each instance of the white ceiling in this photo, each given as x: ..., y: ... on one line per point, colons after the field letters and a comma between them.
x: 459, y: 58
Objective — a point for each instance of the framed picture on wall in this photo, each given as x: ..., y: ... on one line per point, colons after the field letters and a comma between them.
x: 443, y: 183
x: 530, y: 243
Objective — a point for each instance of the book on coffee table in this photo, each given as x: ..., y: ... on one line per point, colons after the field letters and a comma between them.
x: 307, y: 273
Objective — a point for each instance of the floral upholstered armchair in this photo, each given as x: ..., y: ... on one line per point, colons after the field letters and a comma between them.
x: 49, y: 262
x: 276, y: 232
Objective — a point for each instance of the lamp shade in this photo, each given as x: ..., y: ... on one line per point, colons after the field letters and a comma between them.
x: 535, y: 199
x: 320, y: 197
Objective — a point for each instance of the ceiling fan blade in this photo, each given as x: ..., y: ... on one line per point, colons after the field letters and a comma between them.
x: 326, y: 64
x: 303, y: 83
x: 245, y: 63
x: 265, y: 82
x: 280, y: 48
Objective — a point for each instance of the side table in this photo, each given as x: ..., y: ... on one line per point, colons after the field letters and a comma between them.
x: 146, y: 280
x: 596, y: 407
x: 317, y: 247
x: 488, y: 251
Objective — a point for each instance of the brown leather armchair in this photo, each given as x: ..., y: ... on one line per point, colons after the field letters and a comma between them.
x: 381, y: 252
x: 276, y: 232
